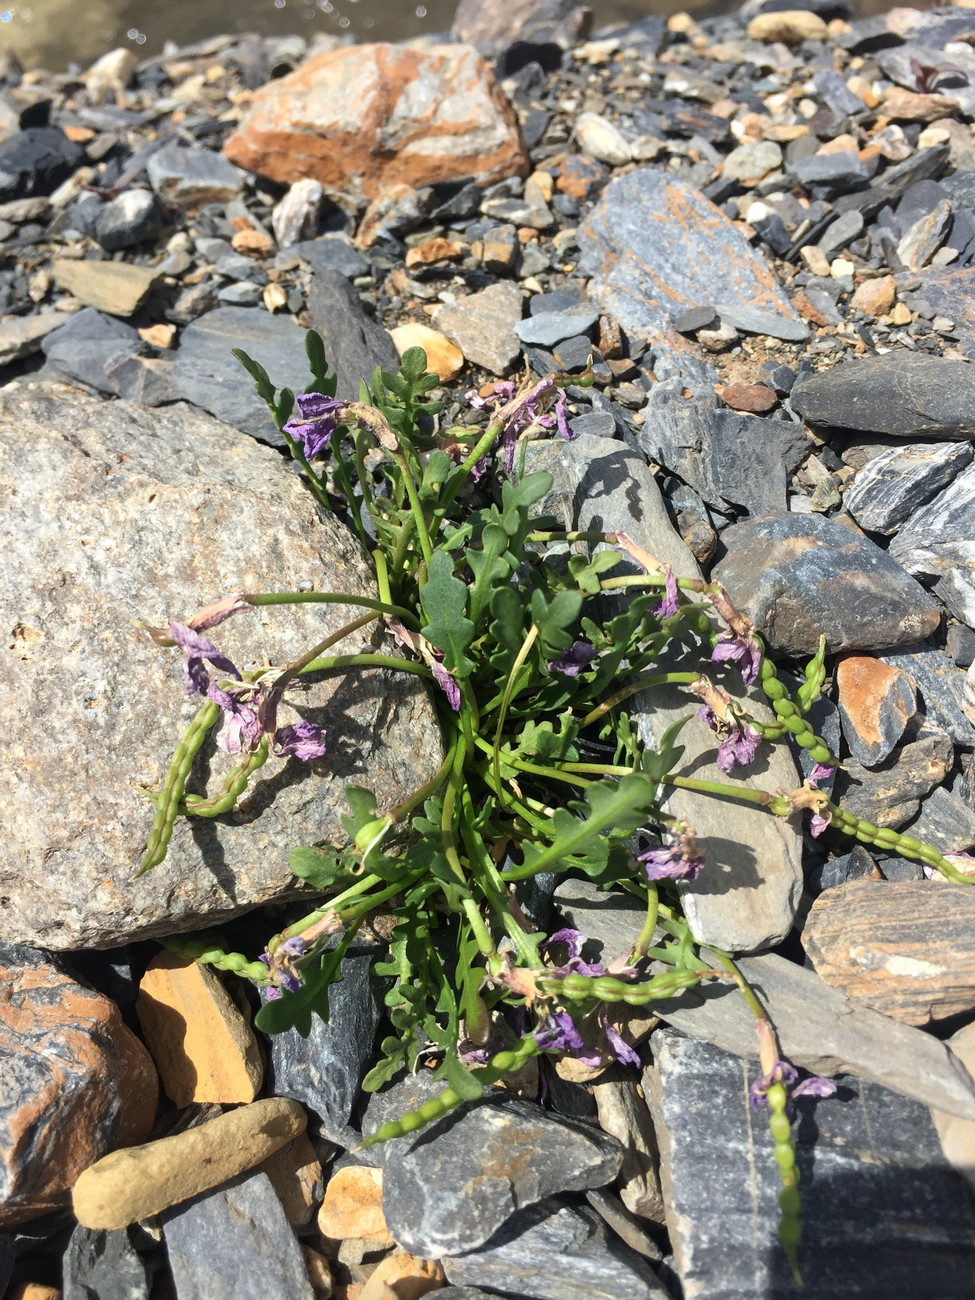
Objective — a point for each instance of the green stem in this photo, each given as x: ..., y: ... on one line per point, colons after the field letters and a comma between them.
x: 633, y: 688
x: 416, y: 509
x: 644, y: 939
x: 367, y: 661
x: 259, y: 598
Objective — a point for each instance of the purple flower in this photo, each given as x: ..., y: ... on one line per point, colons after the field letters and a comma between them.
x: 668, y: 606
x: 301, y: 740
x: 573, y: 940
x: 621, y: 1049
x: 819, y: 822
x: 740, y: 650
x: 558, y: 1033
x: 196, y: 649
x: 561, y: 410
x: 785, y: 1073
x: 446, y: 683
x: 315, y: 423
x: 241, y: 729
x: 571, y: 662
x: 739, y: 743
x: 524, y: 412
x: 820, y: 772
x: 681, y: 861
x: 280, y: 964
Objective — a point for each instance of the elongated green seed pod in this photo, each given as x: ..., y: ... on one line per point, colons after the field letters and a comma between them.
x: 790, y: 1204
x: 168, y: 799
x: 233, y: 787
x: 604, y: 988
x: 208, y: 955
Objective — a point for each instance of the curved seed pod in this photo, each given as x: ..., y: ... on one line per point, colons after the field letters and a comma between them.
x: 233, y: 787
x: 604, y: 988
x: 790, y: 1204
x: 168, y: 799
x: 235, y: 962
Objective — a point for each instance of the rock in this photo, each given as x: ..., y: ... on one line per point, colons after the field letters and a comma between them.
x: 133, y: 1184
x: 920, y: 243
x: 799, y: 577
x: 354, y: 343
x: 174, y: 495
x: 553, y: 1250
x: 945, y: 821
x: 909, y: 395
x: 742, y: 316
x: 750, y: 163
x: 75, y: 1083
x: 443, y: 359
x: 602, y: 139
x: 826, y: 174
x: 889, y: 794
x: 902, y: 948
x: 21, y: 335
x: 133, y: 217
x: 365, y: 117
x: 790, y: 26
x: 902, y: 105
x: 942, y: 688
x: 103, y: 1264
x: 957, y: 1136
x: 353, y: 1206
x: 295, y: 1172
x: 902, y: 480
x: 36, y: 161
x: 602, y: 487
x: 482, y: 325
x: 235, y: 1244
x: 653, y: 246
x: 881, y: 1190
x: 545, y: 329
x: 820, y: 1030
x: 403, y: 1276
x: 88, y: 343
x: 950, y: 293
x: 323, y: 1070
x: 114, y: 287
x: 332, y: 253
x: 874, y: 297
x: 295, y: 217
x: 754, y: 399
x: 191, y: 178
x: 203, y: 1047
x: 493, y: 24
x: 148, y: 380
x: 448, y: 1189
x: 112, y: 72
x: 623, y: 1115
x: 876, y: 703
x: 935, y: 543
x: 837, y: 95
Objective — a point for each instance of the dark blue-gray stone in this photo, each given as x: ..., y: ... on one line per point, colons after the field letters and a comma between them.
x: 891, y: 486
x: 935, y: 544
x: 942, y: 687
x: 889, y: 794
x: 8, y: 1254
x: 36, y: 161
x: 133, y: 217
x: 103, y: 1266
x: 545, y: 329
x: 355, y: 343
x: 830, y: 173
x: 89, y: 344
x: 330, y: 255
x: 946, y: 822
x: 235, y: 1243
x: 883, y: 1212
x: 602, y: 424
x: 452, y: 1185
x: 836, y: 94
x: 552, y: 1251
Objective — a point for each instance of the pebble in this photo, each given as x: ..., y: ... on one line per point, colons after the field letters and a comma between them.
x: 443, y: 358
x: 22, y: 335
x: 790, y: 26
x: 483, y: 324
x: 104, y: 1264
x: 404, y: 1276
x: 35, y: 161
x: 191, y: 179
x: 876, y: 703
x: 117, y: 288
x: 134, y: 217
x: 133, y: 1184
x: 295, y: 1172
x: 353, y: 1206
x: 601, y: 139
x: 545, y: 329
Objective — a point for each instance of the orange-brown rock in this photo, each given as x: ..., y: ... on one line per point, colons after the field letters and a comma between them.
x: 876, y: 703
x: 907, y: 106
x: 444, y: 359
x: 203, y: 1047
x: 434, y: 250
x: 753, y: 398
x: 295, y: 1172
x: 365, y: 117
x: 75, y: 1083
x: 874, y: 296
x: 905, y: 948
x: 353, y: 1206
x: 404, y: 1277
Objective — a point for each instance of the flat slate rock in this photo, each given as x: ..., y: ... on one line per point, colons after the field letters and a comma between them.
x: 937, y: 543
x: 126, y: 513
x: 89, y: 345
x: 876, y: 702
x: 798, y: 577
x: 483, y: 324
x: 103, y: 1264
x: 889, y: 793
x: 883, y: 1212
x: 951, y: 292
x: 355, y: 343
x: 901, y: 480
x: 22, y: 335
x: 654, y: 246
x: 906, y: 394
x: 551, y: 1251
x: 942, y: 686
x: 449, y: 1188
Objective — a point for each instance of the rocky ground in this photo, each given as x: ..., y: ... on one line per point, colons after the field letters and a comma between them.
x: 759, y: 230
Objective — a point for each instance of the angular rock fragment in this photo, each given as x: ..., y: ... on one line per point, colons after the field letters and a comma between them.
x: 117, y: 288
x: 355, y: 343
x: 942, y: 686
x: 876, y: 703
x: 909, y: 395
x: 945, y: 821
x: 901, y: 480
x: 889, y: 793
x: 483, y: 324
x: 937, y: 544
x: 192, y: 178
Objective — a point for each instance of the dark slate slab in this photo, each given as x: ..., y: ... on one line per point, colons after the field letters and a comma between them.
x: 936, y: 544
x: 36, y: 161
x: 826, y: 174
x: 206, y: 373
x: 884, y: 1214
x: 89, y: 344
x: 891, y: 486
x: 920, y: 166
x: 131, y: 218
x: 235, y: 1243
x: 354, y: 343
x: 552, y: 1251
x: 450, y: 1187
x: 330, y: 254
x: 545, y: 329
x: 8, y: 1254
x: 952, y: 294
x: 908, y: 395
x: 946, y: 821
x: 941, y: 683
x: 104, y: 1265
x: 324, y: 1070
x: 801, y: 576
x: 889, y: 794
x: 654, y: 246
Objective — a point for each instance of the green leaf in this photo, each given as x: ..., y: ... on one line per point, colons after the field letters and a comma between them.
x: 557, y: 620
x: 444, y: 599
x: 413, y: 363
x: 461, y: 1080
x: 492, y: 566
x: 660, y: 762
x: 585, y: 572
x: 284, y: 406
x: 362, y: 806
x: 265, y: 389
x: 295, y: 1010
x: 322, y: 868
x: 322, y: 381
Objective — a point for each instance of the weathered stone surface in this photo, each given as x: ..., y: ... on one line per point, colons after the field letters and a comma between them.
x: 957, y: 1136
x: 116, y: 512
x: 191, y: 178
x: 365, y: 117
x: 904, y: 948
x: 295, y: 1172
x: 483, y: 326
x: 22, y: 335
x: 601, y: 138
x: 103, y: 1264
x: 203, y: 1047
x: 942, y: 687
x: 546, y: 328
x: 133, y: 1184
x: 952, y: 294
x: 946, y: 821
x: 937, y: 543
x: 402, y: 1275
x: 235, y: 1244
x: 492, y: 24
x: 131, y: 218
x: 876, y: 703
x: 819, y: 1028
x: 36, y: 161
x: 748, y: 901
x: 448, y: 1189
x: 355, y: 343
x: 353, y: 1206
x: 655, y: 246
x: 623, y: 1114
x: 923, y: 239
x: 74, y: 1083
x: 88, y: 344
x: 874, y: 296
x: 889, y: 794
x: 907, y: 394
x: 902, y: 480
x: 799, y: 577
x: 551, y: 1251
x: 114, y: 287
x: 882, y: 1211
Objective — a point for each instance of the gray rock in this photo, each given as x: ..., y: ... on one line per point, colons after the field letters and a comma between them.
x: 923, y: 239
x: 192, y: 178
x: 448, y: 1189
x: 876, y: 703
x: 753, y: 320
x: 148, y: 380
x: 88, y: 344
x: 623, y: 1114
x: 909, y: 395
x: 241, y: 294
x: 844, y: 229
x: 890, y: 793
x: 694, y: 319
x: 548, y: 328
x: 552, y: 1251
x: 819, y: 1028
x: 942, y: 687
x: 330, y: 254
x: 103, y: 1264
x: 798, y: 577
x: 324, y: 1070
x: 22, y: 335
x: 826, y: 174
x: 891, y: 486
x: 727, y: 458
x: 749, y: 901
x: 207, y: 374
x: 598, y: 424
x: 133, y: 217
x: 946, y: 821
x: 883, y: 1213
x: 493, y: 24
x: 126, y: 513
x: 355, y: 343
x: 483, y: 324
x: 36, y: 161
x: 235, y: 1243
x: 937, y: 544
x: 836, y: 94
x: 653, y: 245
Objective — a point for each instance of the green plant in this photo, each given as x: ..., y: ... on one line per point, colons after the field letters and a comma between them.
x: 508, y: 618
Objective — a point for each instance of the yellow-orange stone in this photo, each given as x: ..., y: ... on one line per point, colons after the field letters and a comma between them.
x: 353, y: 1207
x: 404, y: 1276
x: 444, y: 359
x: 874, y: 296
x: 203, y: 1047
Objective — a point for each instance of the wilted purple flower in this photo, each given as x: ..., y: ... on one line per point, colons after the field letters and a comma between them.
x: 668, y: 606
x: 241, y: 729
x: 681, y: 861
x: 559, y: 1033
x: 619, y: 1047
x: 521, y: 413
x: 280, y: 964
x: 573, y: 940
x: 571, y: 662
x: 739, y: 743
x: 820, y: 772
x: 315, y: 423
x: 819, y: 821
x: 561, y: 411
x: 785, y: 1073
x: 446, y: 683
x: 301, y: 740
x: 740, y: 650
x: 196, y: 649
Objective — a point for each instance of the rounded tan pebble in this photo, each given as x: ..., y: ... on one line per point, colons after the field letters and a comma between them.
x: 33, y: 1291
x: 353, y: 1208
x: 789, y: 26
x: 404, y: 1277
x: 443, y: 359
x: 133, y: 1184
x: 875, y: 297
